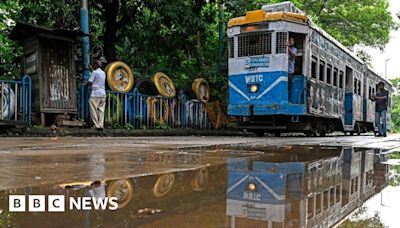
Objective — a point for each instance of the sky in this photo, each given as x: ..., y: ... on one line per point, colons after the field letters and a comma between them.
x: 391, y: 51
x: 387, y: 204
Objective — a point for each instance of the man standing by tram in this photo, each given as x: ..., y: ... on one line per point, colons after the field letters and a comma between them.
x: 292, y: 57
x: 292, y: 51
x: 381, y: 102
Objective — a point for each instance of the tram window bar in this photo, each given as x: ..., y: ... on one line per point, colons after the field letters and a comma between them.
x: 254, y: 44
x: 321, y: 70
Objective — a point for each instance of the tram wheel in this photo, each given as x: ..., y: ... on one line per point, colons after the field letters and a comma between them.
x: 358, y: 131
x: 308, y: 133
x: 258, y: 133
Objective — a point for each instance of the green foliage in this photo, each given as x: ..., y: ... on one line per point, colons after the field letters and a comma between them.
x: 117, y: 126
x: 360, y: 220
x: 182, y: 37
x: 395, y: 170
x: 366, y: 22
x: 9, y: 50
x: 129, y: 126
x: 162, y: 126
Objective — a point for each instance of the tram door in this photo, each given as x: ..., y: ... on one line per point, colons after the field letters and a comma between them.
x: 348, y: 100
x: 297, y: 82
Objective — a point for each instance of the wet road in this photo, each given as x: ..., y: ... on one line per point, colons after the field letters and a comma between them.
x: 195, y: 181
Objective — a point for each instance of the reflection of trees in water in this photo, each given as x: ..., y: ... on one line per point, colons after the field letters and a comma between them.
x: 360, y: 219
x: 395, y: 170
x: 7, y: 219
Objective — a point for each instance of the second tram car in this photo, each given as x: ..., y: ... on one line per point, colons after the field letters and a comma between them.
x: 329, y: 90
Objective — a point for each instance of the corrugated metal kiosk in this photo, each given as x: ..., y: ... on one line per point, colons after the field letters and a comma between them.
x: 48, y: 57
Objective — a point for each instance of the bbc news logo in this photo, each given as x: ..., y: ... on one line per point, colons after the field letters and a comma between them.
x: 57, y: 203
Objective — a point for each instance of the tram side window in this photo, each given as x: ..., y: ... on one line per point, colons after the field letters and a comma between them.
x: 281, y: 42
x: 310, y: 207
x: 277, y: 225
x: 338, y: 193
x: 321, y: 71
x: 325, y: 202
x: 318, y: 201
x: 369, y: 91
x: 331, y: 196
x: 355, y: 86
x: 341, y: 82
x: 329, y: 74
x: 314, y: 67
x: 356, y: 184
x: 335, y: 76
x: 231, y: 47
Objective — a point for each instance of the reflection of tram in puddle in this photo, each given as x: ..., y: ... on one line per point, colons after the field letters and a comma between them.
x: 295, y: 191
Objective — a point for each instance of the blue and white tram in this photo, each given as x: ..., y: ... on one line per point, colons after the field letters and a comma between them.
x: 329, y: 90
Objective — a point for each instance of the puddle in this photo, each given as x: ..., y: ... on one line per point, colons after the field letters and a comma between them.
x: 241, y: 186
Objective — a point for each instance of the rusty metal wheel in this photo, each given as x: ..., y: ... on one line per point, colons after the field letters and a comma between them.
x: 122, y: 190
x: 202, y: 90
x: 119, y: 77
x: 163, y: 185
x: 165, y: 86
x: 200, y: 180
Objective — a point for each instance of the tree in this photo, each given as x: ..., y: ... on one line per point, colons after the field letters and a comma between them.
x: 365, y: 57
x: 9, y: 50
x: 181, y: 37
x: 361, y: 219
x: 366, y: 22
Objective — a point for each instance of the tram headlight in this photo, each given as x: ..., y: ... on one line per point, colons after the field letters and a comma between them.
x: 251, y: 187
x: 254, y: 88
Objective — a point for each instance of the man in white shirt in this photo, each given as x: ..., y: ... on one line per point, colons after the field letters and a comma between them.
x: 97, y: 100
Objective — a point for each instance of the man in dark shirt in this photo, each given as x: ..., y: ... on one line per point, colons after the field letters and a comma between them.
x: 381, y: 102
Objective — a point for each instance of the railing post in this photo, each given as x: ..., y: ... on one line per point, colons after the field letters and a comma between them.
x: 182, y: 99
x: 27, y: 98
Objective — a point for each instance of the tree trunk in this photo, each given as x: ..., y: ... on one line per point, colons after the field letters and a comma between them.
x: 110, y: 35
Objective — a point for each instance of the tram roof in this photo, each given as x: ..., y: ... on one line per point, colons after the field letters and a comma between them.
x: 286, y: 11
